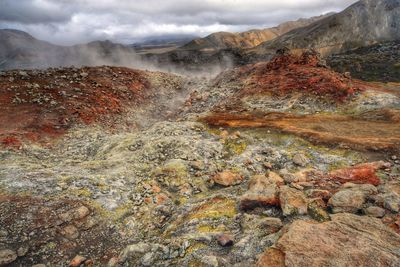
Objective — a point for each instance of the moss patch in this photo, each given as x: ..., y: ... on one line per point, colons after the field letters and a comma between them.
x: 215, y: 208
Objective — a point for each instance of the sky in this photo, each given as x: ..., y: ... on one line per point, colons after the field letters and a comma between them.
x: 68, y: 22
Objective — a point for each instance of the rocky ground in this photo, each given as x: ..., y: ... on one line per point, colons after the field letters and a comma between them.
x: 378, y: 62
x: 275, y: 164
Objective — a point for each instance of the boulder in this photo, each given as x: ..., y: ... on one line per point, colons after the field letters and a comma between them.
x: 347, y: 240
x: 262, y: 192
x: 351, y: 198
x: 293, y: 201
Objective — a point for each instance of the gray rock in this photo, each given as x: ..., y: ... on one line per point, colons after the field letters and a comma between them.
x: 347, y: 201
x: 133, y: 251
x: 148, y: 259
x: 22, y: 251
x: 351, y: 198
x: 375, y: 211
x: 300, y: 160
x: 391, y: 201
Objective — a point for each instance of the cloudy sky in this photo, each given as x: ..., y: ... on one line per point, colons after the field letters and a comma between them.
x: 127, y: 21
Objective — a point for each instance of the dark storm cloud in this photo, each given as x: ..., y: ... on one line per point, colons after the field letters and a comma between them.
x: 76, y: 21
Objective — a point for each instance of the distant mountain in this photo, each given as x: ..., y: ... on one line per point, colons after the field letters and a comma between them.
x: 162, y: 44
x: 164, y: 41
x: 18, y: 49
x: 363, y: 23
x: 248, y: 39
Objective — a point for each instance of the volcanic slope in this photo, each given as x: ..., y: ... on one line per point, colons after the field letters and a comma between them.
x: 300, y: 95
x: 137, y: 174
x: 359, y: 25
x: 39, y: 105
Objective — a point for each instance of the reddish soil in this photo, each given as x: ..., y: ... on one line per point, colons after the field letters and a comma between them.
x: 42, y: 105
x: 326, y: 129
x: 39, y: 224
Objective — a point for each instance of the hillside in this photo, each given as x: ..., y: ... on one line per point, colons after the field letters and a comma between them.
x: 361, y: 24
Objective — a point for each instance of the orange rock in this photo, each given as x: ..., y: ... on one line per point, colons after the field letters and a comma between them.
x: 347, y: 240
x: 161, y: 198
x: 227, y: 178
x: 77, y: 261
x: 156, y: 189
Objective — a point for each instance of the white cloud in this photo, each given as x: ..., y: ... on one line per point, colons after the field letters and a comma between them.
x: 77, y: 21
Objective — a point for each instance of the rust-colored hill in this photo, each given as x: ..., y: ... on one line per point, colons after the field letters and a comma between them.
x: 40, y: 105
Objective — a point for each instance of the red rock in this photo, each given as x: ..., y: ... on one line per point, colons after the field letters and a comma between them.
x: 360, y: 174
x: 227, y: 178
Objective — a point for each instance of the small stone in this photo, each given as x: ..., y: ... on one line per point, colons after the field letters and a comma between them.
x: 375, y: 212
x: 82, y: 212
x: 23, y: 73
x: 77, y: 261
x: 391, y: 201
x: 225, y: 240
x: 260, y: 225
x: 198, y: 165
x: 112, y: 262
x: 300, y: 160
x: 275, y: 178
x: 70, y: 232
x: 210, y: 261
x: 77, y: 213
x: 22, y: 251
x: 148, y: 259
x: 134, y: 250
x: 268, y: 165
x: 227, y: 178
x: 7, y: 256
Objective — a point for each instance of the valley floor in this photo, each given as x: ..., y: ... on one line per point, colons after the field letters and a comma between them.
x: 191, y: 172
